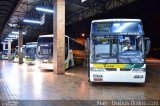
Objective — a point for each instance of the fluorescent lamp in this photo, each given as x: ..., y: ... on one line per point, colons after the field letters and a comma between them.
x: 83, y: 1
x: 13, y: 36
x: 32, y: 21
x: 7, y: 40
x: 23, y: 33
x: 44, y: 9
x: 16, y: 32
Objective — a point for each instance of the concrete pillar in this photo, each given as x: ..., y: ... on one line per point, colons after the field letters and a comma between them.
x: 9, y: 51
x: 20, y: 46
x: 4, y: 46
x: 59, y: 37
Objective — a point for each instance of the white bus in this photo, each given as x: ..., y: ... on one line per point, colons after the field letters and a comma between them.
x: 4, y: 54
x: 117, y: 51
x: 30, y: 53
x: 74, y: 52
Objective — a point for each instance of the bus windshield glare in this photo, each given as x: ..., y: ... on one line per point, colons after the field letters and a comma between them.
x: 117, y: 27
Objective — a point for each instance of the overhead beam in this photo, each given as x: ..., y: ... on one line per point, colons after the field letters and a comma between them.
x: 15, y: 5
x: 96, y: 9
x: 32, y: 14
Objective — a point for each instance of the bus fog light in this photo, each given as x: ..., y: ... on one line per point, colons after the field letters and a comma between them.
x: 97, y: 69
x: 138, y: 70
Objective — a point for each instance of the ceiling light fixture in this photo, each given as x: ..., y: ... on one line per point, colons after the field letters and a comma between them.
x: 44, y: 9
x: 32, y: 21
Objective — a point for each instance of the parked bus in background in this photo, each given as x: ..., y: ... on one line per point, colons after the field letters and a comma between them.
x: 117, y: 51
x: 4, y: 54
x: 74, y: 54
x: 30, y: 55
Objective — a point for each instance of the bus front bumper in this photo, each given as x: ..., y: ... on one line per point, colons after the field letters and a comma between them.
x: 30, y: 62
x: 118, y: 76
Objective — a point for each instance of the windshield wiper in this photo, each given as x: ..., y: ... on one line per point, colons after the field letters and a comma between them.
x: 105, y: 63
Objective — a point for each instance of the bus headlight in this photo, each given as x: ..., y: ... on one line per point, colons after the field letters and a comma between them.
x: 97, y: 69
x: 139, y: 70
x: 44, y: 61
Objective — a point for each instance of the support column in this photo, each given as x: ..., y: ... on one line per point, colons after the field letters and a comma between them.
x: 9, y: 51
x: 59, y: 37
x: 20, y: 47
x: 4, y: 46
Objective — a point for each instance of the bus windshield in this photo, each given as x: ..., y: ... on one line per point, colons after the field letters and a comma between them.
x: 45, y: 47
x: 117, y: 49
x: 46, y: 51
x: 30, y: 52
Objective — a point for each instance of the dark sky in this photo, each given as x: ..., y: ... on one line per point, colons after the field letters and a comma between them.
x: 146, y: 10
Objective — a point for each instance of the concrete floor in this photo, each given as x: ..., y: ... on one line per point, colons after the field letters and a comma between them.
x: 22, y: 82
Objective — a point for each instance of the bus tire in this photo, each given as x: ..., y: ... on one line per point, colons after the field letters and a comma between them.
x: 88, y: 80
x: 92, y: 83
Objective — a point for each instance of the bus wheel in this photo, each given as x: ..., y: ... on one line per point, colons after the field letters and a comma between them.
x: 88, y: 80
x: 92, y: 83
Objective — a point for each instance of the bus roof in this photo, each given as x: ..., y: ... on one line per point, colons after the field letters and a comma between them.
x: 117, y: 20
x: 31, y: 43
x: 50, y: 35
x: 30, y: 46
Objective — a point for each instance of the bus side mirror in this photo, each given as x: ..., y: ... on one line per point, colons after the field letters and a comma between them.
x: 87, y: 44
x: 38, y: 50
x: 147, y: 45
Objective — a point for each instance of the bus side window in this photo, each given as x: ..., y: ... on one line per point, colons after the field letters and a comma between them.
x: 66, y: 47
x: 39, y: 50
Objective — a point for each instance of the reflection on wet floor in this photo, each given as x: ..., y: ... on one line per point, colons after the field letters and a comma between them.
x: 22, y: 82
